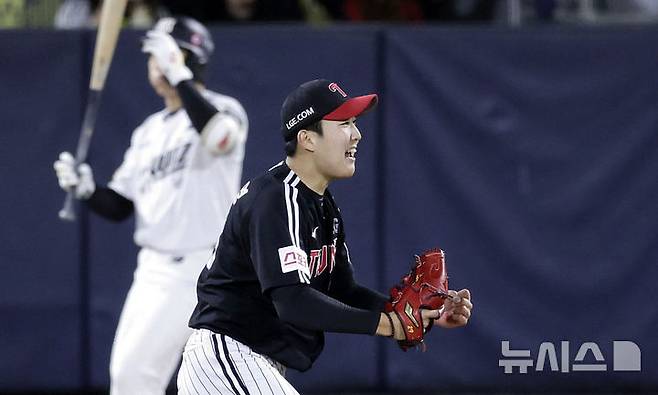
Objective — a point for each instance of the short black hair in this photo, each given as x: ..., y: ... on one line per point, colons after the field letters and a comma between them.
x: 291, y: 145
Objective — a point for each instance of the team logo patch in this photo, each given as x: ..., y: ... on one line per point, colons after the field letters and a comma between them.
x: 293, y: 258
x: 335, y: 88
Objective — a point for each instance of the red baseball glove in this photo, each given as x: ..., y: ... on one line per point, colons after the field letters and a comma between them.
x: 425, y: 287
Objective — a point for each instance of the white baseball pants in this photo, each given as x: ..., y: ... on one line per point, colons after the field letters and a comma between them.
x: 216, y: 364
x: 153, y: 327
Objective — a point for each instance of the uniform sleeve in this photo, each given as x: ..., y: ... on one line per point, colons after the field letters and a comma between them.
x: 347, y: 290
x: 226, y: 129
x: 122, y: 180
x: 321, y: 312
x: 274, y: 227
x: 110, y: 205
x: 198, y: 108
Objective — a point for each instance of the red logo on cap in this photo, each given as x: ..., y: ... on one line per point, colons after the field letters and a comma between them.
x: 335, y: 88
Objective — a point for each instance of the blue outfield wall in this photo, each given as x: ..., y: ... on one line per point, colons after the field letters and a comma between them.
x: 528, y: 155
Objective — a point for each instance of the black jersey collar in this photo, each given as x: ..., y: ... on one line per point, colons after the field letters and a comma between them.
x: 285, y: 171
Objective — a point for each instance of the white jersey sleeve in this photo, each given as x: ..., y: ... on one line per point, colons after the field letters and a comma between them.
x: 226, y: 129
x: 121, y: 181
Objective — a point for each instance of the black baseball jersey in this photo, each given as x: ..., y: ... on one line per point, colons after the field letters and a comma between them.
x: 278, y: 233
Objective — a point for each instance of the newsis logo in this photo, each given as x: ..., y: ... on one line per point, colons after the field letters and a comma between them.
x: 626, y: 357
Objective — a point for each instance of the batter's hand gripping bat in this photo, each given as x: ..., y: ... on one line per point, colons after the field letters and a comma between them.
x: 106, y: 40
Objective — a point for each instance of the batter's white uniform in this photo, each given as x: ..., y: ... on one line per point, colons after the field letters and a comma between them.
x: 181, y: 191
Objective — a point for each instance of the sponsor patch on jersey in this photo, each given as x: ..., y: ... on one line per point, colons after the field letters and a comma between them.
x: 293, y: 258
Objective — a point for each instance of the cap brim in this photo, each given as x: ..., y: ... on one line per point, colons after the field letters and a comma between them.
x: 352, y: 108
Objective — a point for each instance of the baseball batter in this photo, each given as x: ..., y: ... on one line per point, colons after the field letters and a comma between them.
x: 179, y: 177
x: 281, y: 273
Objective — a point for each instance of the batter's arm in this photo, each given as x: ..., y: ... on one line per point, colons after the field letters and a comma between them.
x: 219, y: 132
x: 110, y: 205
x: 198, y: 108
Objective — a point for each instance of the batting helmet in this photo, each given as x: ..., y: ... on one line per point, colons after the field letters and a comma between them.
x: 193, y: 37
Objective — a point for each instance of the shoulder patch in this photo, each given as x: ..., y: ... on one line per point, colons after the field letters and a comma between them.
x: 293, y: 258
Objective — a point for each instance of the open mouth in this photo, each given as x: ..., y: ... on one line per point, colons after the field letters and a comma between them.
x: 351, y: 153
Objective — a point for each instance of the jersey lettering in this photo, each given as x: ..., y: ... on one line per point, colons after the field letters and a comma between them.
x: 333, y: 257
x: 170, y: 162
x: 321, y: 259
x: 315, y: 258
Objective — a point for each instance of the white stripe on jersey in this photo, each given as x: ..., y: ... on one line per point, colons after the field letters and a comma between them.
x: 296, y: 181
x: 305, y: 277
x: 295, y: 206
x: 290, y: 215
x: 289, y: 176
x: 347, y: 250
x: 275, y: 166
x: 292, y: 208
x: 295, y: 192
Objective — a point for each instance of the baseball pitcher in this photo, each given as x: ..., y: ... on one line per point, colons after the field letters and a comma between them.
x: 281, y: 274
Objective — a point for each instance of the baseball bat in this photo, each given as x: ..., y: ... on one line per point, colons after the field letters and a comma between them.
x: 106, y: 40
